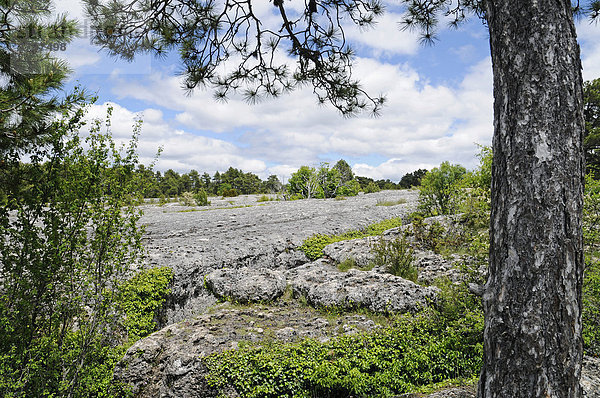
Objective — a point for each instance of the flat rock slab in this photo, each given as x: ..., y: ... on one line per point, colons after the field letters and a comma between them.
x: 247, y: 284
x: 325, y: 286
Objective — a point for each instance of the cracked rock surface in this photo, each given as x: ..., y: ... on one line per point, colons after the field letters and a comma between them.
x: 241, y: 232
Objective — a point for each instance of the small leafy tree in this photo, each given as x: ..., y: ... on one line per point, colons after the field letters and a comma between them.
x: 304, y: 182
x: 68, y: 236
x: 440, y: 189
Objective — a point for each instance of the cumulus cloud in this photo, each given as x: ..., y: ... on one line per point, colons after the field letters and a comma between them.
x: 181, y: 150
x: 588, y: 34
x: 422, y: 124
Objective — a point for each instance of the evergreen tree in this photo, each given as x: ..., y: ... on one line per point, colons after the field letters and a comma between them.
x: 30, y: 94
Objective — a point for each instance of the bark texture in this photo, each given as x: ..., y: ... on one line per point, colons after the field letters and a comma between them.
x: 532, y: 299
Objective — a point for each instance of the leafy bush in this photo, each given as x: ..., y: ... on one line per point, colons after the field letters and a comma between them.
x: 187, y: 199
x: 415, y: 352
x: 591, y: 308
x: 141, y: 298
x: 396, y: 256
x: 230, y: 193
x: 440, y: 191
x: 313, y: 246
x: 201, y: 198
x: 429, y: 236
x: 68, y: 237
x: 372, y: 188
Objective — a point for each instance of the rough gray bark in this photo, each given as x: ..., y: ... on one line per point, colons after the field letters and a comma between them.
x: 532, y: 299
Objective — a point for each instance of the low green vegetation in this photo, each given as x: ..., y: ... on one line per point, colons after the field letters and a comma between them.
x: 396, y: 256
x: 313, y: 246
x: 415, y: 353
x: 391, y: 202
x: 141, y: 298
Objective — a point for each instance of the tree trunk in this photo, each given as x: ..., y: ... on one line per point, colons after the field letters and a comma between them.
x: 532, y: 299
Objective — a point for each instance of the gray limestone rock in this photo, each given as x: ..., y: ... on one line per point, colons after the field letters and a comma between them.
x: 324, y: 286
x: 247, y: 284
x: 358, y: 249
x: 240, y: 232
x: 590, y: 377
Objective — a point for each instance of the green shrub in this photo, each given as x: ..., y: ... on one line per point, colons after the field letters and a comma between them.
x: 396, y: 256
x: 264, y: 198
x: 372, y: 188
x: 591, y: 308
x: 141, y: 299
x: 66, y: 242
x: 230, y: 193
x: 313, y: 246
x: 187, y: 199
x: 201, y: 198
x: 429, y: 236
x: 441, y: 190
x: 415, y: 352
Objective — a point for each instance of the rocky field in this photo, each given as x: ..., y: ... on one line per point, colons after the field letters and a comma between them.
x: 241, y: 232
x: 245, y: 251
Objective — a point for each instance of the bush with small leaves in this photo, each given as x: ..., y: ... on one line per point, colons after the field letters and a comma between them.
x: 396, y: 256
x: 201, y: 198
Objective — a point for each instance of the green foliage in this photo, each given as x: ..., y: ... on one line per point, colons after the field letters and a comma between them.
x: 31, y: 75
x: 304, y: 182
x: 412, y: 179
x: 591, y: 111
x: 313, y: 246
x: 69, y: 234
x: 201, y: 198
x: 441, y: 191
x: 429, y: 236
x: 141, y: 298
x: 476, y: 203
x: 396, y: 256
x: 391, y: 202
x: 415, y: 352
x: 371, y: 188
x: 324, y: 181
x: 187, y: 199
x: 591, y: 213
x: 591, y: 307
x: 349, y: 188
x: 229, y: 193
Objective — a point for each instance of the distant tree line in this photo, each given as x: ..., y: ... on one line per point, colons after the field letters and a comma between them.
x: 313, y: 182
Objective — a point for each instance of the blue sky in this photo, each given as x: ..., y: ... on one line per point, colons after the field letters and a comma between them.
x: 439, y: 106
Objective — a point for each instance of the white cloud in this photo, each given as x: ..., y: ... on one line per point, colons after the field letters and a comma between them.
x: 385, y: 38
x: 421, y: 125
x: 588, y: 34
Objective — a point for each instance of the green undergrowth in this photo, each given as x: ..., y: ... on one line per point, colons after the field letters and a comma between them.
x: 591, y: 308
x: 415, y: 354
x: 313, y: 246
x: 141, y: 299
x: 391, y: 202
